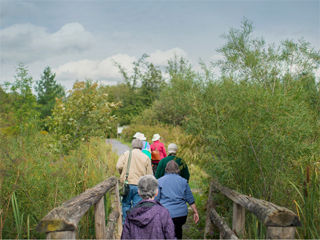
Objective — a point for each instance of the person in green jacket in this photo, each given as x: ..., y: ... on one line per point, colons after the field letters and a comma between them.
x: 172, y: 151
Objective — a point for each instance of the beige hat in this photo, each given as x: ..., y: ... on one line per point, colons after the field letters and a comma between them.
x: 156, y: 137
x: 172, y: 148
x: 136, y: 135
x: 141, y: 137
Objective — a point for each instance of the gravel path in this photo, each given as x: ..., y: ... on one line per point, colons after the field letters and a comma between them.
x: 117, y: 146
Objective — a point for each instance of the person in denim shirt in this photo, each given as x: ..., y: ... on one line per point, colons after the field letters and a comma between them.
x: 173, y: 193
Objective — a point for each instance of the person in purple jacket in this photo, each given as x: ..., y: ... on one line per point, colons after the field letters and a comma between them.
x: 148, y: 219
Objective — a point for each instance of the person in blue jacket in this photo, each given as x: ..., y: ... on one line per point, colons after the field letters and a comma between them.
x: 173, y: 193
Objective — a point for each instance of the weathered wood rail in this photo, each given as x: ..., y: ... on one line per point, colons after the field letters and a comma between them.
x: 280, y: 221
x: 62, y: 222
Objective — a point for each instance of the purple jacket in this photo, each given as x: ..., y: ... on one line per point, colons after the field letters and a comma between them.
x: 148, y: 220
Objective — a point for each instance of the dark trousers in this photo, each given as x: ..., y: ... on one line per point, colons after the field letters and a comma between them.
x: 154, y: 168
x: 178, y: 222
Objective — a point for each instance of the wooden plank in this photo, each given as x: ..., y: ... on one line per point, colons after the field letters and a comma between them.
x: 209, y: 226
x: 270, y: 214
x: 100, y: 219
x: 239, y: 219
x: 68, y: 215
x: 225, y: 231
x: 112, y: 224
x: 280, y: 232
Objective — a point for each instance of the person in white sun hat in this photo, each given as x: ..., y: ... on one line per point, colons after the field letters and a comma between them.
x: 158, y: 151
x: 136, y: 134
x: 146, y: 146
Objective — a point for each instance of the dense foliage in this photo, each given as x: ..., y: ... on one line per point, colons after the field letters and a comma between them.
x: 255, y: 127
x: 138, y: 92
x: 34, y: 180
x: 84, y: 114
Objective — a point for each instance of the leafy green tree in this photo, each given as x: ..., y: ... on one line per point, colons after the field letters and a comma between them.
x: 24, y: 106
x: 48, y: 90
x: 140, y: 89
x: 83, y: 114
x: 171, y: 107
x: 6, y: 114
x: 248, y: 58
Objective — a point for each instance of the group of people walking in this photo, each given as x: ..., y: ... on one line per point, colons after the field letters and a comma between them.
x: 154, y: 209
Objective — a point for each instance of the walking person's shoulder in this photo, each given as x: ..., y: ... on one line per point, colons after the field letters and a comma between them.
x: 123, y: 156
x: 139, y: 154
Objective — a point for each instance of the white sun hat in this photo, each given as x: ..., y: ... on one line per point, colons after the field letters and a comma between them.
x: 141, y: 137
x: 156, y: 137
x: 136, y: 135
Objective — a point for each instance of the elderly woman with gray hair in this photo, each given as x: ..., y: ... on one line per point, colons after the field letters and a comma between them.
x: 148, y: 219
x: 173, y: 193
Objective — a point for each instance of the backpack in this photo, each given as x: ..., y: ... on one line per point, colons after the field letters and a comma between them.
x: 155, y: 155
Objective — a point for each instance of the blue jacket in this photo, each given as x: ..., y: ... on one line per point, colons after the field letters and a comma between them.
x: 174, y: 193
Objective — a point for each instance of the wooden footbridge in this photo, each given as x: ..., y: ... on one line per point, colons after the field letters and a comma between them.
x: 62, y: 222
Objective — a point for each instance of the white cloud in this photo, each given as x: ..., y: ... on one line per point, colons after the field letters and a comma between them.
x: 216, y: 57
x: 161, y: 57
x: 317, y: 73
x: 27, y: 42
x: 104, y: 70
x: 94, y: 69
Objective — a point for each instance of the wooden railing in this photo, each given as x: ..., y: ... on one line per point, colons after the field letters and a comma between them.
x: 62, y: 222
x: 280, y: 222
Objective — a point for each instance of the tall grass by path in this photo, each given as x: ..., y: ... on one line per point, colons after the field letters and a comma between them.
x: 35, y: 179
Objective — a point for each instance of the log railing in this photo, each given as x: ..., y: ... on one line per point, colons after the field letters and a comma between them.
x: 62, y: 222
x: 280, y: 221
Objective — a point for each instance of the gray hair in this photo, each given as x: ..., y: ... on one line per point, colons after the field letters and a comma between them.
x: 172, y: 167
x: 147, y: 186
x: 136, y: 143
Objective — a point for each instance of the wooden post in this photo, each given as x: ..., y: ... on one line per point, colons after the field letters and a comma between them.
x: 100, y: 219
x: 115, y: 204
x: 239, y: 219
x: 280, y: 232
x: 209, y: 227
x: 112, y: 224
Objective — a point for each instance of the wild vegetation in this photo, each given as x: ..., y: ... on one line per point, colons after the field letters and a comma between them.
x: 255, y: 127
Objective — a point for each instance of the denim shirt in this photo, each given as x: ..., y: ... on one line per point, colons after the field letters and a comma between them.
x: 174, y: 193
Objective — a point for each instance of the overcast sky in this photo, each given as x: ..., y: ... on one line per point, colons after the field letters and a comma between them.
x: 78, y: 39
